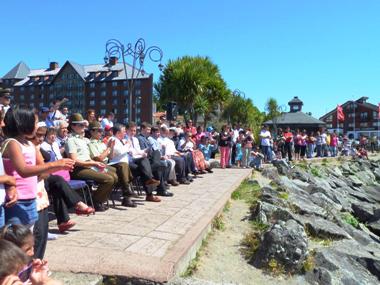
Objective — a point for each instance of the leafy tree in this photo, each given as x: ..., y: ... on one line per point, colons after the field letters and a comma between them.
x: 273, y: 112
x: 195, y: 84
x: 240, y: 110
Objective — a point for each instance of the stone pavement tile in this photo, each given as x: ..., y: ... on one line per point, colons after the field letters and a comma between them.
x: 148, y: 246
x: 76, y: 238
x: 114, y: 241
x: 150, y: 221
x: 163, y: 235
x: 175, y: 226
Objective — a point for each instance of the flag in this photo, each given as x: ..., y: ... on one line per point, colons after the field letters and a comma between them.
x: 340, y: 114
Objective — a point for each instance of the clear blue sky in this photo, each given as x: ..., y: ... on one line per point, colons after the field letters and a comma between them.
x: 324, y: 51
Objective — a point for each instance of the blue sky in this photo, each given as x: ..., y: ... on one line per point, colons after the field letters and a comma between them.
x: 325, y: 51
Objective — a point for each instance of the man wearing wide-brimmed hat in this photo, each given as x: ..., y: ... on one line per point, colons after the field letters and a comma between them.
x: 86, y: 168
x: 5, y: 99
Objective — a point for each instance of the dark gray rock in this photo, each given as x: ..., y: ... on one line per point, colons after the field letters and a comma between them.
x: 285, y: 242
x: 304, y: 206
x: 366, y: 212
x: 299, y: 173
x: 375, y: 227
x: 355, y: 180
x: 282, y: 166
x: 324, y: 229
x: 271, y: 173
x: 325, y: 202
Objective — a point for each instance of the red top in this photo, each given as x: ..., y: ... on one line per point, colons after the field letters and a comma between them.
x: 288, y: 136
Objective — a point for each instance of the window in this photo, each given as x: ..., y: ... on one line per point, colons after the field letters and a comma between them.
x: 137, y: 83
x: 22, y: 88
x: 114, y: 111
x: 125, y: 83
x: 138, y: 111
x: 41, y: 96
x: 42, y: 88
x: 375, y: 115
x: 329, y: 126
x: 51, y: 96
x: 32, y: 88
x: 376, y: 124
x: 103, y: 93
x: 102, y: 112
x: 92, y: 103
x: 329, y: 118
x: 103, y: 85
x: 114, y: 102
x: 351, y: 125
x: 138, y: 92
x: 41, y: 104
x: 341, y: 125
x: 92, y: 85
x: 363, y: 116
x: 126, y: 111
x: 125, y: 120
x: 103, y: 102
x: 114, y: 83
x: 351, y: 115
x: 22, y: 97
x: 126, y: 92
x: 31, y: 105
x: 115, y: 73
x: 32, y: 97
x: 92, y: 94
x: 363, y: 124
x: 114, y: 93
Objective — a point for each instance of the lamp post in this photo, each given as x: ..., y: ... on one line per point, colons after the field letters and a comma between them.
x: 138, y: 52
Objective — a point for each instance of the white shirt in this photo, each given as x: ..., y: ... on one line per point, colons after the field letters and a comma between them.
x: 168, y: 146
x: 105, y: 122
x: 53, y: 149
x: 4, y: 108
x: 265, y: 138
x: 189, y: 146
x: 121, y: 152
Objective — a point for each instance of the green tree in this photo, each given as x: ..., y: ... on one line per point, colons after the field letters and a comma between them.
x: 240, y: 110
x: 195, y: 84
x: 273, y: 111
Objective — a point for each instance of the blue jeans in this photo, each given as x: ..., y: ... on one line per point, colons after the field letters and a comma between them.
x: 333, y: 151
x: 266, y: 152
x: 255, y: 162
x: 2, y: 216
x: 310, y: 150
x: 24, y: 213
x: 319, y: 150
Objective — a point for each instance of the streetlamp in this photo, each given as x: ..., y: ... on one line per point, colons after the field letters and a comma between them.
x: 237, y: 93
x: 138, y: 52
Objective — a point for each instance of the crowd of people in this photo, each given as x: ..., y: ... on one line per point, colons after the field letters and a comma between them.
x: 43, y: 151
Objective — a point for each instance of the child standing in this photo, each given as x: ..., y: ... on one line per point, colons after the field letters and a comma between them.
x: 19, y: 157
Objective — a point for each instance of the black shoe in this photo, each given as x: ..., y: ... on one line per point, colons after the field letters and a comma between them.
x: 184, y: 181
x: 189, y: 179
x: 100, y: 207
x: 127, y: 202
x: 165, y: 193
x: 209, y: 170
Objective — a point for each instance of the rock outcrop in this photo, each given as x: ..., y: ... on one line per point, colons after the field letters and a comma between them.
x: 328, y: 214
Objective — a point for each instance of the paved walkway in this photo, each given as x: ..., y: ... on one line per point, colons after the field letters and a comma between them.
x: 154, y: 241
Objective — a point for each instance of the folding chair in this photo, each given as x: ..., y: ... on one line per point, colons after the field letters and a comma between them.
x: 84, y: 187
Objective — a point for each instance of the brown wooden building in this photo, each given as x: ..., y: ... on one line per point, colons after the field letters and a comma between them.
x: 103, y: 87
x: 361, y: 117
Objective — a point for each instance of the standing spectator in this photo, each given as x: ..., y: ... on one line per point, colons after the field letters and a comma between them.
x: 247, y: 148
x: 303, y: 144
x: 189, y: 128
x: 5, y: 100
x: 225, y: 146
x: 288, y: 135
x: 324, y: 143
x: 65, y: 113
x: 55, y: 114
x: 91, y: 116
x: 265, y: 138
x: 310, y: 145
x: 374, y: 143
x: 44, y: 117
x: 108, y: 120
x: 297, y: 144
x: 20, y: 161
x: 318, y: 143
x: 280, y: 142
x: 333, y: 144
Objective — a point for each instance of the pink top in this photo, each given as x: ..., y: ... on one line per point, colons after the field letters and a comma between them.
x: 334, y: 141
x: 26, y: 187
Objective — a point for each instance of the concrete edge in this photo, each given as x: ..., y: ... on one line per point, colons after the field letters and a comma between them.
x: 181, y: 253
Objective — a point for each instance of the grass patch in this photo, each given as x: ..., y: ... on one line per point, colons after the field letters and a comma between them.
x: 250, y: 244
x: 218, y: 223
x: 350, y: 219
x: 194, y: 263
x: 275, y: 268
x: 315, y: 172
x: 227, y: 207
x: 247, y: 192
x: 283, y: 195
x: 309, y: 263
